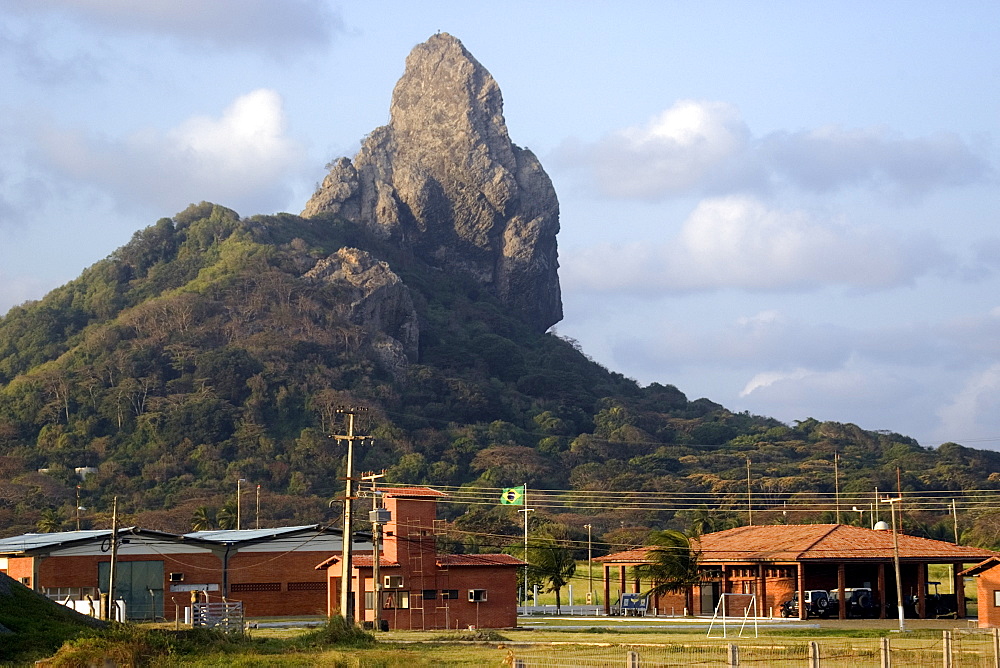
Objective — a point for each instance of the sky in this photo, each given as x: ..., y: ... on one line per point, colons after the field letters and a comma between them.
x: 790, y: 208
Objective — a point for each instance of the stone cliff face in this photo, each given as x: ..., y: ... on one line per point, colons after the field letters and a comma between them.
x: 444, y: 180
x: 379, y: 302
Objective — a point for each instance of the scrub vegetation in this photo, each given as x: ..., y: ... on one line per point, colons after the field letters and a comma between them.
x: 198, y: 354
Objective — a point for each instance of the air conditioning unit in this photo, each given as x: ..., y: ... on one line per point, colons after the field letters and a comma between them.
x: 477, y: 596
x: 392, y: 582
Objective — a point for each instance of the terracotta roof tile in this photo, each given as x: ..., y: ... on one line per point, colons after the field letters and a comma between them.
x: 410, y: 491
x: 814, y: 542
x: 451, y: 560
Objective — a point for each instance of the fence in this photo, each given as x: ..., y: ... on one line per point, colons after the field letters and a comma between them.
x: 225, y: 616
x: 953, y: 649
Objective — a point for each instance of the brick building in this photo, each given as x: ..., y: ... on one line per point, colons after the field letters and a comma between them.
x: 423, y: 589
x: 988, y: 591
x: 270, y: 570
x: 775, y: 561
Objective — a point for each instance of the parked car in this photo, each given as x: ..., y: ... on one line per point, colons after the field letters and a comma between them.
x: 817, y: 604
x: 859, y: 602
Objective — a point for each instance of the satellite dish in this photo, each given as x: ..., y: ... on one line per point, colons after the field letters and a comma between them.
x: 881, y: 525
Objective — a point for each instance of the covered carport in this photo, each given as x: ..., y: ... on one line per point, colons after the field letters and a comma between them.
x: 775, y: 561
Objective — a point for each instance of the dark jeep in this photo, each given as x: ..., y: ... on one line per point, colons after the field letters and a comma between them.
x: 817, y: 604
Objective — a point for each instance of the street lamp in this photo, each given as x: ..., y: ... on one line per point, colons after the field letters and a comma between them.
x: 239, y: 505
x: 590, y: 566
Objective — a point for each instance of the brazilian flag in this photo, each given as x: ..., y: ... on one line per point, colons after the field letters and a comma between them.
x: 512, y: 496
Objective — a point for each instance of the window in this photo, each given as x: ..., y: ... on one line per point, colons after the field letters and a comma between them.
x: 447, y: 594
x: 477, y: 595
x: 399, y: 600
x: 430, y: 594
x: 996, y: 598
x: 73, y: 593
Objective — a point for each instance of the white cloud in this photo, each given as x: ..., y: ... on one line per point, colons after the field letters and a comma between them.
x: 769, y: 378
x: 242, y: 159
x: 739, y: 242
x: 973, y: 410
x: 681, y: 149
x: 246, y: 25
x: 703, y: 147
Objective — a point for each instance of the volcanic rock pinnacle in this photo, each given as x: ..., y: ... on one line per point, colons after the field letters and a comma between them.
x: 444, y: 180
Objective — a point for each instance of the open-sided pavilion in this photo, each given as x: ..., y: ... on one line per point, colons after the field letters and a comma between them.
x: 775, y: 561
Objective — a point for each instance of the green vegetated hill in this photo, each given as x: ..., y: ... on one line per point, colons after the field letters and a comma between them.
x: 201, y: 353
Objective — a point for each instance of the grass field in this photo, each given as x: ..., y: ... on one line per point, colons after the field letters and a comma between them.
x: 547, y: 642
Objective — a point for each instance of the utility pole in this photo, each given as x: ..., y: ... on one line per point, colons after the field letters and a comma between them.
x: 256, y: 519
x: 525, y: 510
x: 78, y: 508
x: 954, y: 516
x: 345, y: 562
x: 378, y: 516
x: 112, y: 608
x: 836, y: 484
x: 239, y: 503
x: 590, y: 566
x: 895, y: 552
x: 749, y: 500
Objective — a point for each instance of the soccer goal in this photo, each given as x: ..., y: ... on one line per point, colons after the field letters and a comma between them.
x: 737, y: 607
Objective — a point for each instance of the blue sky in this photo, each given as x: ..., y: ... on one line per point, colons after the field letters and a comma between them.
x: 789, y: 208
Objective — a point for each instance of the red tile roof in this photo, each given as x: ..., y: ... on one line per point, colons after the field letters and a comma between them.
x: 981, y: 567
x: 367, y: 560
x: 410, y: 491
x: 814, y: 542
x: 451, y: 560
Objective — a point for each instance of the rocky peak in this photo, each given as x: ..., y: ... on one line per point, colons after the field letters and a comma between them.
x: 378, y: 301
x: 444, y: 180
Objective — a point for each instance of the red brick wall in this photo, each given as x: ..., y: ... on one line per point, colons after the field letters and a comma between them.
x: 297, y: 569
x: 987, y: 584
x: 20, y: 567
x: 498, y: 611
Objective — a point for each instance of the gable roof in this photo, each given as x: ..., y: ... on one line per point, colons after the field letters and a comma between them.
x: 813, y: 542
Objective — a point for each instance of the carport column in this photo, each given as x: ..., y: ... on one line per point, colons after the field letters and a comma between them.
x: 922, y: 591
x: 802, y: 591
x: 762, y: 591
x: 622, y: 584
x: 607, y: 589
x: 958, y: 586
x: 881, y: 591
x: 841, y: 586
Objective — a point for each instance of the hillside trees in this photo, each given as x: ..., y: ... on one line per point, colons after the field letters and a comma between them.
x: 198, y: 354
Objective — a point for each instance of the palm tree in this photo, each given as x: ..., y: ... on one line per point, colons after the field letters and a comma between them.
x: 672, y: 565
x: 226, y: 517
x: 203, y: 519
x: 50, y: 522
x: 552, y: 563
